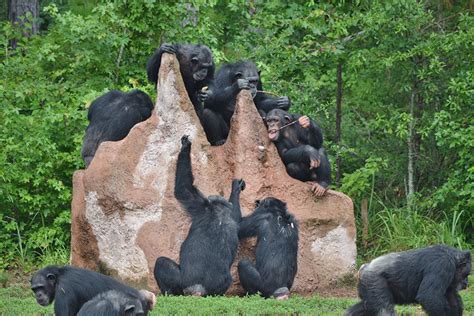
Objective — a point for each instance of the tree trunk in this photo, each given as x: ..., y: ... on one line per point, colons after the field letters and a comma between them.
x: 338, y: 122
x: 17, y: 15
x: 411, y: 149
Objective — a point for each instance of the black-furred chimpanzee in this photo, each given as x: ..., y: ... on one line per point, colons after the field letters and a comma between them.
x: 112, y: 116
x: 196, y: 66
x: 220, y: 98
x: 429, y: 276
x: 299, y: 141
x: 211, y: 245
x: 113, y: 303
x: 70, y: 288
x: 276, y: 253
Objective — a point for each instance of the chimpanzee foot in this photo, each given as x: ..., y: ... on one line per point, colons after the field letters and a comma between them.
x: 219, y: 142
x: 195, y: 290
x: 282, y: 293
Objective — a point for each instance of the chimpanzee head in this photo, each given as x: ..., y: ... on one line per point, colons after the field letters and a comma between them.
x: 43, y: 284
x: 219, y: 203
x: 463, y: 269
x: 278, y: 210
x: 246, y: 69
x: 196, y: 61
x: 275, y: 120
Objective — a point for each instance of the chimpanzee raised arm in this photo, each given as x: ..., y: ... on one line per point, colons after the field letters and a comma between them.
x: 211, y: 245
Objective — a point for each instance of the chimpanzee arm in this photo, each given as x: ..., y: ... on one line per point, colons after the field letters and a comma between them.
x: 315, y: 135
x: 65, y: 306
x: 253, y: 225
x: 153, y: 64
x: 323, y: 172
x: 218, y: 97
x: 266, y: 103
x: 184, y: 190
x: 302, y: 153
x: 438, y: 275
x: 237, y: 187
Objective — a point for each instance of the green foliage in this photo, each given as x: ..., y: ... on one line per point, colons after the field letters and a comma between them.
x: 388, y: 57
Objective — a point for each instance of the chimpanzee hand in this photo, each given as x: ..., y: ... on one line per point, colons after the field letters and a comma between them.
x: 243, y: 84
x: 304, y: 121
x: 318, y: 189
x: 283, y: 103
x: 203, y: 95
x: 239, y: 183
x: 167, y: 48
x: 314, y: 158
x: 185, y: 142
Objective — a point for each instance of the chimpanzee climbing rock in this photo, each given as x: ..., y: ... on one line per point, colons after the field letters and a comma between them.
x: 125, y: 215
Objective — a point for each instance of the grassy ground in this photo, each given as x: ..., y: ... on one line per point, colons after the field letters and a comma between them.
x: 18, y: 300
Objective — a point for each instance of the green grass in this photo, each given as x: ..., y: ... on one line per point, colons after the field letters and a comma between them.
x: 17, y: 300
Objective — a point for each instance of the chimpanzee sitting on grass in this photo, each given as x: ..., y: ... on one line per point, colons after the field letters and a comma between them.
x: 111, y: 116
x: 276, y: 253
x: 429, y: 276
x: 299, y: 141
x: 70, y: 288
x: 220, y: 99
x: 211, y: 245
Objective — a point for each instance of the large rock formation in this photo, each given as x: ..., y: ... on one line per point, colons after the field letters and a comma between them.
x: 124, y: 214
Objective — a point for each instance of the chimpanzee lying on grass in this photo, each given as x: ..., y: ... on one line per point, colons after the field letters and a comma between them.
x: 70, y: 288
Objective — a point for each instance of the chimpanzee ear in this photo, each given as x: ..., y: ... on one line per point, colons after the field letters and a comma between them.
x: 51, y: 277
x: 287, y: 118
x: 259, y: 73
x: 129, y: 309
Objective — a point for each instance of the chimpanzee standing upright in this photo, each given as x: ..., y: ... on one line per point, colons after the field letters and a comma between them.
x: 299, y: 141
x: 112, y: 116
x: 196, y: 66
x: 429, y: 276
x: 211, y: 245
x: 276, y: 253
x: 220, y: 99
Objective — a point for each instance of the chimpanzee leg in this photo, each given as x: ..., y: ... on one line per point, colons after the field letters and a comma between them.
x: 168, y: 276
x: 215, y: 127
x: 250, y: 278
x: 455, y: 303
x: 323, y: 172
x: 375, y: 292
x: 298, y: 171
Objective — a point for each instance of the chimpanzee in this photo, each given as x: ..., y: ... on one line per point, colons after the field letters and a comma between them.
x: 299, y: 141
x: 113, y: 303
x: 111, y: 116
x: 220, y: 98
x: 196, y: 66
x: 277, y: 247
x: 429, y: 276
x: 211, y: 245
x: 70, y: 288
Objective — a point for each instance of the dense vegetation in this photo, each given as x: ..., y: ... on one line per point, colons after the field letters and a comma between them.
x: 406, y: 92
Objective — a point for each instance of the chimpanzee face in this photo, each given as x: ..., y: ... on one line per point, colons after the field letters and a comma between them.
x: 249, y: 72
x: 44, y: 287
x: 463, y: 270
x: 202, y: 65
x: 275, y: 119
